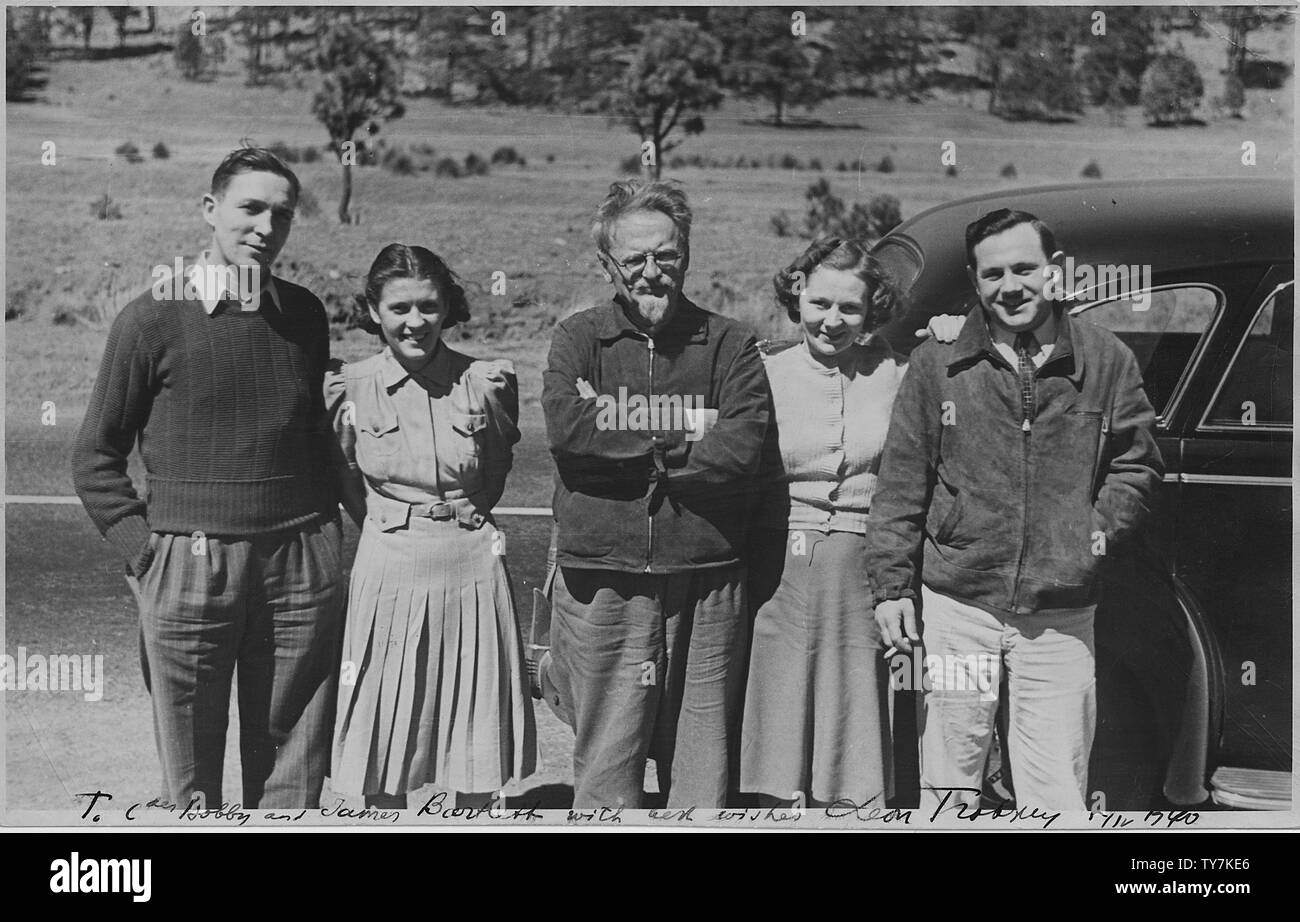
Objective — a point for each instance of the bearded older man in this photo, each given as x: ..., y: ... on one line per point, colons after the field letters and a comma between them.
x: 649, y: 629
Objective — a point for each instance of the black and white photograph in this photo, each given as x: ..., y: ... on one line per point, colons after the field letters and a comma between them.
x: 713, y: 417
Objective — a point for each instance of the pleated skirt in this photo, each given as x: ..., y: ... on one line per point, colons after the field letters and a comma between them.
x: 433, y: 688
x: 816, y: 711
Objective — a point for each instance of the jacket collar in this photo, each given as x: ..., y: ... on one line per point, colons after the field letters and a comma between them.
x: 438, y: 370
x: 689, y: 324
x: 974, y: 342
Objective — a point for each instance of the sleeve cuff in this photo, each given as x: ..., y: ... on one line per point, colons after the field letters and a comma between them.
x: 893, y: 593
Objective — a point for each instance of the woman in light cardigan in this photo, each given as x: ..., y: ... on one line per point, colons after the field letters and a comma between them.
x: 815, y: 725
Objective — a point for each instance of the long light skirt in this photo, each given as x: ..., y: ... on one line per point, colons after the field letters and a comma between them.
x: 438, y: 691
x: 816, y: 718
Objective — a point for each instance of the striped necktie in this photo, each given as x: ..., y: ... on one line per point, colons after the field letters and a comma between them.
x: 1026, y: 346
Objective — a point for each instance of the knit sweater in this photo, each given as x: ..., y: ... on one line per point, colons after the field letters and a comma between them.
x: 228, y: 410
x: 830, y: 426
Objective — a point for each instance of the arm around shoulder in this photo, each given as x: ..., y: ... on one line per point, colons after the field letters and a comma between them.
x: 342, y: 416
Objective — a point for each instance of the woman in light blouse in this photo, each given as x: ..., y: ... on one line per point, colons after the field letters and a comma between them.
x: 432, y: 685
x: 815, y: 721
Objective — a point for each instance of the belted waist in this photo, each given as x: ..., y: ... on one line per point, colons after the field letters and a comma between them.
x: 390, y: 514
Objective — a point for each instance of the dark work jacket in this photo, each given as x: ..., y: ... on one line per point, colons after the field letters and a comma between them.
x: 1012, y: 519
x: 648, y: 500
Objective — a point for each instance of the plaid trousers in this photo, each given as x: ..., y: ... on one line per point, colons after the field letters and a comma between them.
x: 270, y: 604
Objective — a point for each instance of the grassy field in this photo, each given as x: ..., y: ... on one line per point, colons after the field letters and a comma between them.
x: 529, y: 223
x: 64, y: 590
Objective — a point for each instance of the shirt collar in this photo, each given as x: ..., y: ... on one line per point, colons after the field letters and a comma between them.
x: 865, y: 355
x: 688, y: 322
x: 975, y: 342
x: 1045, y: 334
x: 437, y: 370
x: 210, y: 299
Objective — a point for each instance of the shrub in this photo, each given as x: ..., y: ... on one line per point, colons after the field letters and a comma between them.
x: 782, y: 225
x: 26, y: 44
x: 129, y: 151
x: 885, y: 213
x: 886, y: 164
x: 310, y: 153
x: 285, y: 152
x: 630, y: 164
x: 447, y: 167
x: 842, y: 167
x: 1008, y: 171
x: 1260, y: 73
x: 188, y: 52
x: 505, y: 156
x: 1171, y: 89
x: 550, y: 158
x: 105, y: 209
x: 827, y: 215
x: 1091, y: 171
x: 815, y: 164
x: 791, y: 162
x: 951, y: 171
x: 475, y: 165
x: 160, y: 151
x: 308, y: 206
x: 1039, y: 86
x: 399, y: 163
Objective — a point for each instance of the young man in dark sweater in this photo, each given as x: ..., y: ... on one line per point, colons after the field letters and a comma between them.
x: 235, y: 550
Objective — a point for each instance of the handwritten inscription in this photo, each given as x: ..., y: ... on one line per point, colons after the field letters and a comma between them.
x: 951, y: 806
x: 1004, y: 811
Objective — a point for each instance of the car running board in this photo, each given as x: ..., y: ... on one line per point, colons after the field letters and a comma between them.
x: 1251, y: 788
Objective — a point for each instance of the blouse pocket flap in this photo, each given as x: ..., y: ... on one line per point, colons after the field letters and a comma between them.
x: 469, y: 424
x: 380, y: 426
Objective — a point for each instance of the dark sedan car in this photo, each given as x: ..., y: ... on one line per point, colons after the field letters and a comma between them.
x: 1194, y: 636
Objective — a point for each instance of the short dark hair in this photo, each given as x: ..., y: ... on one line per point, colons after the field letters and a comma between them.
x: 250, y: 159
x: 884, y: 302
x: 995, y: 222
x: 400, y: 261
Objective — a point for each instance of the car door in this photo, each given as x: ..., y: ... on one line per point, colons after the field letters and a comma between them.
x: 1234, y: 525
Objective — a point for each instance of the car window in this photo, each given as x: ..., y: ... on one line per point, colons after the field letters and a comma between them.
x: 1257, y: 389
x: 900, y: 260
x: 1163, y: 327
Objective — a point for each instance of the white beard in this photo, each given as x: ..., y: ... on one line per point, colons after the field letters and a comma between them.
x: 651, y: 308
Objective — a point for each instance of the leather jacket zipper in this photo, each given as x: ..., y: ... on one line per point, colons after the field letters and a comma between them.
x: 1026, y: 429
x: 650, y: 520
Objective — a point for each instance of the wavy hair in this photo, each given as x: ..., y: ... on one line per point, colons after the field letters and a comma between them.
x: 884, y: 302
x: 630, y: 195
